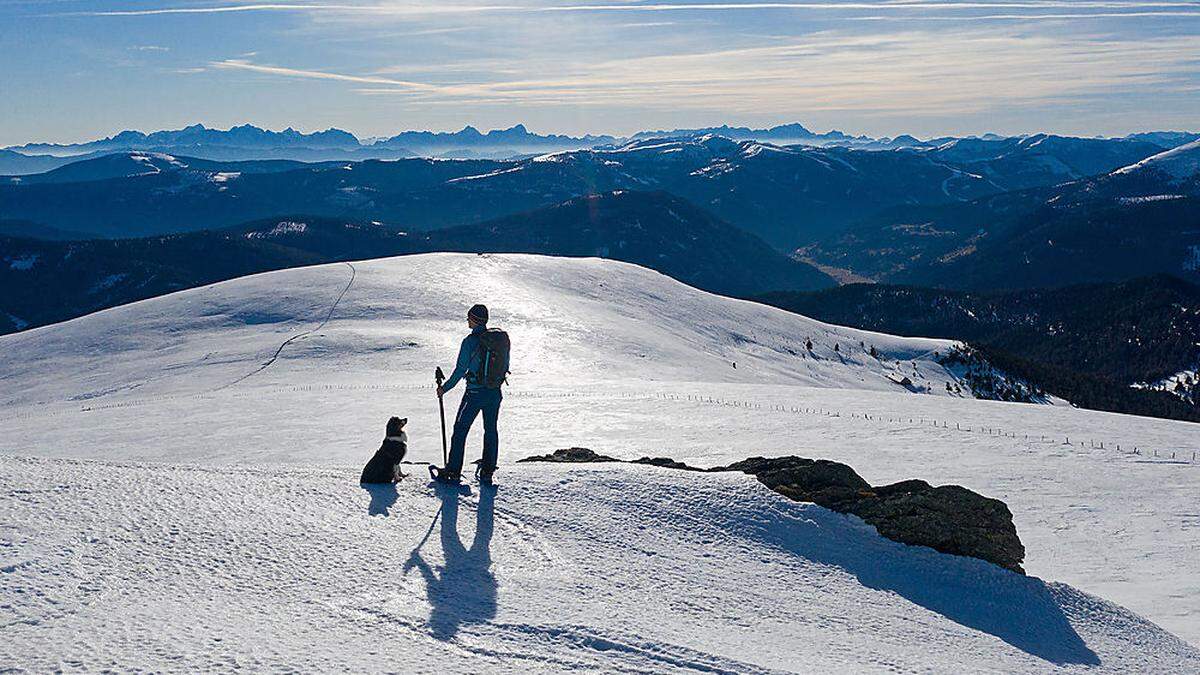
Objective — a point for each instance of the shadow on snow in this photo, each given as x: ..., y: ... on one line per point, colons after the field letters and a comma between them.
x: 383, y: 496
x: 1023, y: 611
x: 463, y: 590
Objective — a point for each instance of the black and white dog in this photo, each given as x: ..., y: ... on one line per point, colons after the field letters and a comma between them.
x: 384, y: 467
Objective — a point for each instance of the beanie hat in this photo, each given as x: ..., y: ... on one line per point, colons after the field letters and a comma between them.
x: 479, y: 313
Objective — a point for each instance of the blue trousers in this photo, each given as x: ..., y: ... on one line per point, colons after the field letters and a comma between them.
x: 475, y: 401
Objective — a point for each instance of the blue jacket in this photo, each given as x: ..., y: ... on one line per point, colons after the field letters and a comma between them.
x: 469, y: 364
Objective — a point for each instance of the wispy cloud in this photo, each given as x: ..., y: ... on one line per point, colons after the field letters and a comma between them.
x: 388, y: 10
x: 854, y: 63
x: 916, y: 9
x: 244, y: 65
x: 915, y: 73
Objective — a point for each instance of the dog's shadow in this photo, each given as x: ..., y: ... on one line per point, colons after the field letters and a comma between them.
x: 383, y: 496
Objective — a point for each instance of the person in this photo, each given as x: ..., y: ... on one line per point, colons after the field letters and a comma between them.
x: 478, y: 398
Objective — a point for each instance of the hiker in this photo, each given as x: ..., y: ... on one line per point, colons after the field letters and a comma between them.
x: 482, y: 364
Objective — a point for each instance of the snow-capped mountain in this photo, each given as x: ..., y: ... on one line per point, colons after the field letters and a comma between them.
x: 784, y: 195
x: 183, y: 479
x: 497, y: 143
x: 1181, y: 162
x: 248, y: 142
x: 1039, y: 160
x: 246, y: 136
x: 1137, y: 220
x: 787, y: 195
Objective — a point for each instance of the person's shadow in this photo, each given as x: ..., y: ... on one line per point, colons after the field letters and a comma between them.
x: 464, y: 592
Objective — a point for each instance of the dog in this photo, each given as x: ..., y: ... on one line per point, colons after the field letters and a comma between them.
x: 384, y: 466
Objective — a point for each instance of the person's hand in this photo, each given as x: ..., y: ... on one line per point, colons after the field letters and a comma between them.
x: 440, y: 391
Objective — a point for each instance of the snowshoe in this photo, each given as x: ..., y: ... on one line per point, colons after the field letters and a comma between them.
x: 484, y: 477
x: 442, y: 476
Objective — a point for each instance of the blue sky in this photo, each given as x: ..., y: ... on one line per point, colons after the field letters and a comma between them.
x: 76, y: 70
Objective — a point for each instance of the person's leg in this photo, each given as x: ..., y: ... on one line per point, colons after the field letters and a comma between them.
x: 491, y: 431
x: 467, y: 410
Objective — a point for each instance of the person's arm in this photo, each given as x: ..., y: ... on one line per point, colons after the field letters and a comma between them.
x: 460, y: 368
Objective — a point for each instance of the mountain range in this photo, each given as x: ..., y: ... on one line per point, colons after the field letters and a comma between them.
x: 790, y: 196
x: 47, y: 281
x: 248, y: 142
x: 1138, y: 220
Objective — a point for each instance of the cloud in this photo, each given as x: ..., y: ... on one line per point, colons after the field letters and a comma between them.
x: 901, y: 8
x: 917, y: 73
x: 389, y: 10
x: 244, y: 65
x: 853, y: 61
x: 149, y: 48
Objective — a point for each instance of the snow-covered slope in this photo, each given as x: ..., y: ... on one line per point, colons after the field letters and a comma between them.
x: 618, y: 569
x: 1181, y: 162
x: 179, y: 480
x: 583, y: 320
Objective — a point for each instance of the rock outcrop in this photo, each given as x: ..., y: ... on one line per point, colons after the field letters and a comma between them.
x: 947, y: 518
x: 666, y: 463
x: 570, y: 456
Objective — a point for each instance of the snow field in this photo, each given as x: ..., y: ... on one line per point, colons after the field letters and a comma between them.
x: 265, y: 395
x: 621, y: 568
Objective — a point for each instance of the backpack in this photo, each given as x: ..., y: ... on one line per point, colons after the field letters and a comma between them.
x: 495, y: 345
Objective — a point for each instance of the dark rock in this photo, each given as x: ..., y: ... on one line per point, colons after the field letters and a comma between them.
x: 571, y: 455
x: 948, y: 518
x: 821, y: 481
x: 665, y: 462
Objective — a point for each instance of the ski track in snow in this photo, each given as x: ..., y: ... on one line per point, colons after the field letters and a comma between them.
x: 218, y: 526
x: 269, y: 362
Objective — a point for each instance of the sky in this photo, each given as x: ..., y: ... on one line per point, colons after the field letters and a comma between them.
x: 74, y: 71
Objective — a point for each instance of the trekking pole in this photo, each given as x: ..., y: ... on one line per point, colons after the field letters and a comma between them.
x: 416, y: 551
x: 439, y: 378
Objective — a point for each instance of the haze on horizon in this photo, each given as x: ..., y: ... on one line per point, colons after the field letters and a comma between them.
x: 79, y: 70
